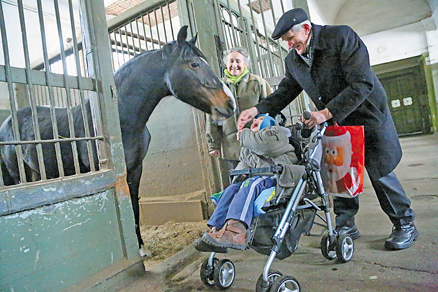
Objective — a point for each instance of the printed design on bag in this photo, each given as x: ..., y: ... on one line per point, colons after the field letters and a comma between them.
x: 340, y: 175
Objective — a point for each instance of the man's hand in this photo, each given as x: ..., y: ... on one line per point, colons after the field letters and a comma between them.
x: 215, y: 153
x: 246, y: 116
x: 317, y: 118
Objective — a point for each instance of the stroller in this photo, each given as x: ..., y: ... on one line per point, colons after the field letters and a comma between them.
x: 292, y: 212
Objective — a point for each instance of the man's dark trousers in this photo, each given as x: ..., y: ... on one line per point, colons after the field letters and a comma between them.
x: 392, y: 199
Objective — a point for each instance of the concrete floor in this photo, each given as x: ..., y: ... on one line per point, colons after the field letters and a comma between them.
x: 372, y: 268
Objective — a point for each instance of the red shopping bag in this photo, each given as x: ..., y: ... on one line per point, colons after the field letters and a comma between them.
x: 342, y: 164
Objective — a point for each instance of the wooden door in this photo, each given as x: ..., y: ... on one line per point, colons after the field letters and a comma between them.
x: 407, y: 99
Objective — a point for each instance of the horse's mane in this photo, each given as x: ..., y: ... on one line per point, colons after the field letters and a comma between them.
x: 191, y: 48
x: 141, y: 55
x: 145, y: 53
x: 186, y: 51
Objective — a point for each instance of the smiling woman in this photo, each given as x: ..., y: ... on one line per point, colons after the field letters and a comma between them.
x: 248, y: 89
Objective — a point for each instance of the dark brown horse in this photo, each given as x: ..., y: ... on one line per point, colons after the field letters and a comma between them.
x: 178, y: 69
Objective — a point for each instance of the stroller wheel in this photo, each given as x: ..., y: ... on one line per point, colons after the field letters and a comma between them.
x: 285, y: 283
x: 206, y: 272
x: 223, y: 274
x: 272, y: 276
x: 344, y: 248
x: 328, y: 250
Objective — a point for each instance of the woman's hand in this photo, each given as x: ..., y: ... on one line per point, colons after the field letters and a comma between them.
x: 215, y: 153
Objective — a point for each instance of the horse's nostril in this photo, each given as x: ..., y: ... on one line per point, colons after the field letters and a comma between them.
x: 224, y: 113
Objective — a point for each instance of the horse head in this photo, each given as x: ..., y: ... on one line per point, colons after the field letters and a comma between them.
x: 191, y: 80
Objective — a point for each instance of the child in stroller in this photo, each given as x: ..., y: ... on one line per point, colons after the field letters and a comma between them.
x: 289, y: 214
x: 264, y: 144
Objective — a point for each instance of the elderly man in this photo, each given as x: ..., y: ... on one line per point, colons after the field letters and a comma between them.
x: 331, y: 63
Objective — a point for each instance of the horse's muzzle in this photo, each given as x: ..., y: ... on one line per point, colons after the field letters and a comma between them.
x: 222, y: 113
x: 223, y: 104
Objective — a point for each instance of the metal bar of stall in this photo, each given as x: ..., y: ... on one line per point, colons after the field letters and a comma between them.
x: 81, y: 91
x: 132, y: 39
x: 121, y: 44
x: 268, y: 47
x: 156, y: 26
x: 12, y: 103
x: 118, y: 51
x: 130, y: 36
x: 113, y: 61
x: 246, y: 35
x: 282, y: 6
x: 82, y: 60
x: 152, y: 35
x: 38, y: 78
x: 36, y: 127
x: 164, y: 23
x: 67, y: 89
x: 170, y: 19
x: 225, y: 28
x: 232, y: 24
x: 50, y: 89
x: 125, y: 34
x: 144, y: 33
x: 136, y: 37
x: 230, y: 35
x: 239, y: 30
x: 280, y: 48
x: 49, y: 141
x: 218, y: 19
x: 254, y: 27
x: 138, y: 34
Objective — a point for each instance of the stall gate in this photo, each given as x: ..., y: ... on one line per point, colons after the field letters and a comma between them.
x: 54, y: 232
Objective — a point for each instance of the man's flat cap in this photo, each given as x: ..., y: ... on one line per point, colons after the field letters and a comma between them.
x: 287, y: 21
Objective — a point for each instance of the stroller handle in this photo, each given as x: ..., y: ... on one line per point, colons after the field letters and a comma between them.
x: 315, y: 142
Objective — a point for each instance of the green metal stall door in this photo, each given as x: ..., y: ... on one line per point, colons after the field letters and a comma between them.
x: 36, y: 241
x: 407, y: 100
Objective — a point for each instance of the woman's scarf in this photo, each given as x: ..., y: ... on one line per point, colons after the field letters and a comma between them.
x: 236, y: 79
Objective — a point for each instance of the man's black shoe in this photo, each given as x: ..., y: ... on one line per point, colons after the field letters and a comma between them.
x: 402, y: 237
x: 350, y: 230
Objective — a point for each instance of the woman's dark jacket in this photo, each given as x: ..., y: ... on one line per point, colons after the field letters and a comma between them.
x: 341, y: 80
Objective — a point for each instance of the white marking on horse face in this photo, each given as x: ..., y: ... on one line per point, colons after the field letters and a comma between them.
x: 205, y: 61
x: 230, y: 94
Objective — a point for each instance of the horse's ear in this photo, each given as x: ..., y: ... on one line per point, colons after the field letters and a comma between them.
x: 182, y: 35
x: 193, y: 40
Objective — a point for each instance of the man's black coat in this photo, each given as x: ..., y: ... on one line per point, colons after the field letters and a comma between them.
x: 341, y: 80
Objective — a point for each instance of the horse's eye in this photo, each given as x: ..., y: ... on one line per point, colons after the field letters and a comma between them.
x: 195, y: 65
